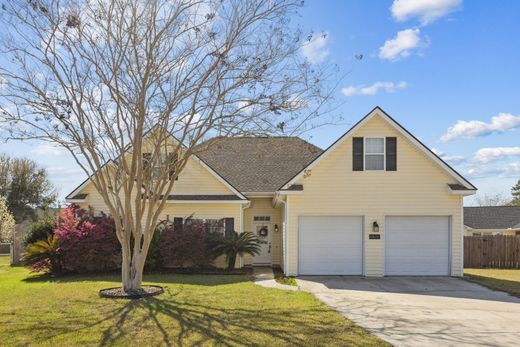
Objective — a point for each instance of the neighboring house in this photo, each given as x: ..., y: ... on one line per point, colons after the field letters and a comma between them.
x: 376, y: 202
x: 491, y: 220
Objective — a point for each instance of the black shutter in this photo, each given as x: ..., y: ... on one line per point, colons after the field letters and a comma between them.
x: 177, y: 223
x: 391, y: 154
x: 229, y: 224
x: 357, y: 154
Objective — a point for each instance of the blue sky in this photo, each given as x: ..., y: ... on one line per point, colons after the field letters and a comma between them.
x: 452, y: 61
x: 429, y: 64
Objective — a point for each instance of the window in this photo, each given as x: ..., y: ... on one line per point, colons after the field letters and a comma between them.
x: 221, y: 226
x: 262, y: 218
x: 374, y: 153
x: 158, y: 165
x: 215, y: 225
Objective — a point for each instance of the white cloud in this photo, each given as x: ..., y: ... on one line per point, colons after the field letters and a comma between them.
x: 485, y: 155
x: 373, y: 89
x: 452, y: 159
x: 506, y: 170
x: 315, y: 50
x: 475, y: 128
x: 402, y: 45
x: 48, y: 149
x: 426, y: 10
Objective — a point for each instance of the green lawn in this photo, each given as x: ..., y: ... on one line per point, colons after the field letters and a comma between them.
x: 504, y: 280
x: 195, y: 310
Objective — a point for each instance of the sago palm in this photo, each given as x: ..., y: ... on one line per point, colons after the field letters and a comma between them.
x: 43, y: 255
x: 232, y: 245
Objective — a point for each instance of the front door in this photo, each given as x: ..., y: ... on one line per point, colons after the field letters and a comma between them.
x: 263, y: 232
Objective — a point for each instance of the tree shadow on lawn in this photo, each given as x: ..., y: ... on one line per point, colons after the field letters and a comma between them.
x: 170, y: 322
x: 156, y: 278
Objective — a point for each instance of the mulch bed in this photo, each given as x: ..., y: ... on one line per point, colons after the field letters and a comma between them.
x: 119, y: 293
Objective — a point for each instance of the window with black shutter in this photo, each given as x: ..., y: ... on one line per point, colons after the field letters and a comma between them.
x: 357, y: 154
x: 229, y: 226
x: 391, y: 154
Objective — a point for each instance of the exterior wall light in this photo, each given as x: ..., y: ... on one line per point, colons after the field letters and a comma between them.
x: 375, y: 227
x: 276, y: 228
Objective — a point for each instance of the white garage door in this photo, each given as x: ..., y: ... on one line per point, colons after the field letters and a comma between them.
x: 417, y: 246
x: 331, y: 245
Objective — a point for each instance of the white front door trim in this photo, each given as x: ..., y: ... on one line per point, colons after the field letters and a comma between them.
x: 265, y: 256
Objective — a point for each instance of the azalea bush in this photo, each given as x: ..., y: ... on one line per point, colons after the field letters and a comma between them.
x: 185, y: 245
x: 88, y: 241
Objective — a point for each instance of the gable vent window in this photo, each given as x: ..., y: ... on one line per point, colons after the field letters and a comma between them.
x: 374, y: 154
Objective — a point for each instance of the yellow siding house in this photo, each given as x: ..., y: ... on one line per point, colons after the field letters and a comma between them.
x: 377, y: 202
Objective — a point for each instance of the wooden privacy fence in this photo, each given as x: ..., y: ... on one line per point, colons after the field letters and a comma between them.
x: 497, y: 251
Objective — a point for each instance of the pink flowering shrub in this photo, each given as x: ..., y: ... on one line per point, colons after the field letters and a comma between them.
x: 88, y: 241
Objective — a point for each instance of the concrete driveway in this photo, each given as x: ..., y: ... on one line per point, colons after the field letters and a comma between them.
x: 412, y: 311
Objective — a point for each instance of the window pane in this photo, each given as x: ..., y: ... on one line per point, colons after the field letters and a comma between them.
x: 375, y: 162
x: 375, y: 146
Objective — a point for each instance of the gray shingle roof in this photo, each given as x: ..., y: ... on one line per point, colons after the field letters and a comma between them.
x: 492, y: 217
x: 258, y: 164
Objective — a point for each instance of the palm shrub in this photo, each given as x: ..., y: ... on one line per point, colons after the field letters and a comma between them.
x: 44, y: 255
x: 232, y: 245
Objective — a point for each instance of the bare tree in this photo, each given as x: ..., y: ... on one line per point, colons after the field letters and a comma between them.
x: 492, y: 200
x: 111, y: 80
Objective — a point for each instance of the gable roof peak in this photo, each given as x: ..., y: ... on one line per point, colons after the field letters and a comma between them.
x: 377, y: 110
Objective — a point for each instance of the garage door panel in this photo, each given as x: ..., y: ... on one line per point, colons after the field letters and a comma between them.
x: 330, y: 245
x: 417, y: 246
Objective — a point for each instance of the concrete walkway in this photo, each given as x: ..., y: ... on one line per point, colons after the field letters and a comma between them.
x: 422, y: 311
x: 264, y: 276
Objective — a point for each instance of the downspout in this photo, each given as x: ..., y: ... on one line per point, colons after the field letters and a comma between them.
x: 285, y: 235
x: 242, y: 208
x: 461, y: 236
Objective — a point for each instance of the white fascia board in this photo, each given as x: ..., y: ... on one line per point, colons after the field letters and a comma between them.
x: 74, y: 200
x: 290, y: 192
x: 208, y: 202
x: 463, y: 192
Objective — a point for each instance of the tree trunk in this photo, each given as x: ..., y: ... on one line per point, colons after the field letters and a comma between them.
x: 231, y: 261
x: 132, y: 270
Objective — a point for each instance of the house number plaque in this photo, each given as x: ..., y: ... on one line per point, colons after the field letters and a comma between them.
x: 374, y: 236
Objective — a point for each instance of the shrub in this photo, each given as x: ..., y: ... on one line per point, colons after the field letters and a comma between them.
x: 232, y: 245
x: 154, y: 260
x: 88, y: 242
x: 43, y: 255
x: 6, y: 222
x: 40, y: 230
x: 185, y: 246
